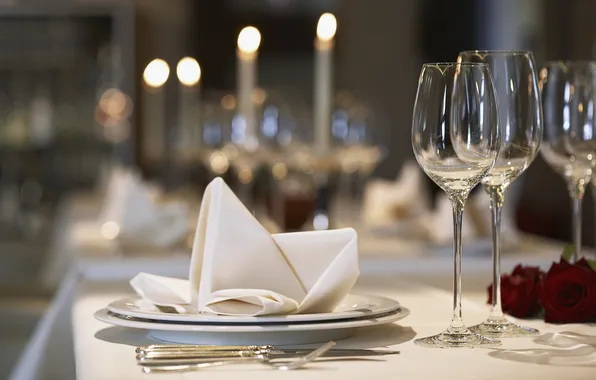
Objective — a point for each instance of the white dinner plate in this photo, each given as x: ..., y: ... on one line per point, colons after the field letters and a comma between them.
x: 352, y: 306
x: 249, y: 334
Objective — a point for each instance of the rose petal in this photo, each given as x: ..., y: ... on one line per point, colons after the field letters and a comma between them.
x: 568, y: 294
x: 583, y: 263
x: 520, y: 291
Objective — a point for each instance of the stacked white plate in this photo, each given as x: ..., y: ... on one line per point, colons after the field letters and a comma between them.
x: 353, y: 312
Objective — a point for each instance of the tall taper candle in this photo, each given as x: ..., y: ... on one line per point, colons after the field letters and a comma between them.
x: 326, y: 28
x: 249, y: 40
x: 190, y: 131
x: 155, y: 76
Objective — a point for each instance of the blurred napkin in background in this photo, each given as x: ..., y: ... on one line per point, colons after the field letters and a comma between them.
x: 510, y: 235
x: 132, y: 216
x: 391, y: 202
x: 402, y: 208
x: 437, y: 225
x: 238, y: 268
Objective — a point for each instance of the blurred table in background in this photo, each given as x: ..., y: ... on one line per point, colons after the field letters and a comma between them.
x: 66, y: 248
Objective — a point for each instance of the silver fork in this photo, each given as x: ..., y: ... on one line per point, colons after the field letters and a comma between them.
x: 298, y: 362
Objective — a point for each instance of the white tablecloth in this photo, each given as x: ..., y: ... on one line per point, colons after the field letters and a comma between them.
x: 92, y: 283
x: 105, y: 352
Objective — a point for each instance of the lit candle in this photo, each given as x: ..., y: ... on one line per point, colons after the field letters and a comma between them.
x: 189, y: 137
x: 249, y: 40
x: 155, y: 76
x: 326, y: 29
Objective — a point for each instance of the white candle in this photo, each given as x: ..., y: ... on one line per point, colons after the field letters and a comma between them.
x: 155, y: 76
x: 326, y: 28
x: 189, y: 134
x: 249, y: 40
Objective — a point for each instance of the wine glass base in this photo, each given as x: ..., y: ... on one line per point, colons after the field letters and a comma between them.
x: 503, y: 329
x: 464, y: 339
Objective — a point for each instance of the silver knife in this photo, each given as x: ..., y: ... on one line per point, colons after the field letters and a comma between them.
x: 182, y: 360
x: 182, y: 357
x: 180, y: 347
x: 264, y: 349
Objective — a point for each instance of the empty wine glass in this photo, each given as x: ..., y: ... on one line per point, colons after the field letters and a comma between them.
x: 520, y: 123
x: 568, y: 94
x: 455, y: 137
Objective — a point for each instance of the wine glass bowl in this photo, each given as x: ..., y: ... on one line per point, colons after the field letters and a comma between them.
x: 456, y: 141
x: 569, y: 147
x: 569, y: 100
x: 520, y: 123
x: 454, y: 158
x: 520, y: 113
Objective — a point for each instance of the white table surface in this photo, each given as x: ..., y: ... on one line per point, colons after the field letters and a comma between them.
x: 93, y: 275
x: 106, y: 352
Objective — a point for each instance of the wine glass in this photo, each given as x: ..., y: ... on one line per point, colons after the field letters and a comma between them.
x: 456, y: 141
x: 520, y: 123
x: 568, y: 95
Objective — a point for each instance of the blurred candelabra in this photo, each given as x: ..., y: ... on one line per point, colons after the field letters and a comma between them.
x: 278, y: 173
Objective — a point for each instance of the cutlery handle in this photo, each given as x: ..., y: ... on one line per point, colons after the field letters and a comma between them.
x: 194, y: 361
x: 160, y: 355
x: 181, y: 347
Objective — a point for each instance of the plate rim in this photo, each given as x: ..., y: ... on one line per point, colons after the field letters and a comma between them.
x: 104, y: 316
x: 392, y: 305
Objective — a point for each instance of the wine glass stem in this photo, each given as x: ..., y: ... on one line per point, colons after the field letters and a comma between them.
x: 577, y: 227
x: 576, y: 191
x: 497, y: 197
x: 457, y: 324
x: 594, y: 200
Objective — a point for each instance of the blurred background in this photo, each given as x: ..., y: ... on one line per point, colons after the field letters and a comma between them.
x: 73, y: 103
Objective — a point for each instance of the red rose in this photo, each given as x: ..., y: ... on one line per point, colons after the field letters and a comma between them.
x: 569, y: 293
x: 520, y: 291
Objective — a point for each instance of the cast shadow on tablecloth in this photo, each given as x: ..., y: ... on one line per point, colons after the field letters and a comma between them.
x: 569, y: 349
x: 366, y: 337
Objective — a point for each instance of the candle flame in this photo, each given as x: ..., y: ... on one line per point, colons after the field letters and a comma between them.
x: 188, y: 71
x: 156, y: 73
x: 326, y: 27
x: 249, y: 39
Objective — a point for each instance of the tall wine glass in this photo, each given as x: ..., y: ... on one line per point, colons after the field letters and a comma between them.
x: 456, y: 141
x: 568, y: 95
x: 520, y: 123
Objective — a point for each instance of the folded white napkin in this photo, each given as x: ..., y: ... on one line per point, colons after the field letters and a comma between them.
x: 387, y: 202
x: 238, y: 268
x: 131, y: 214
